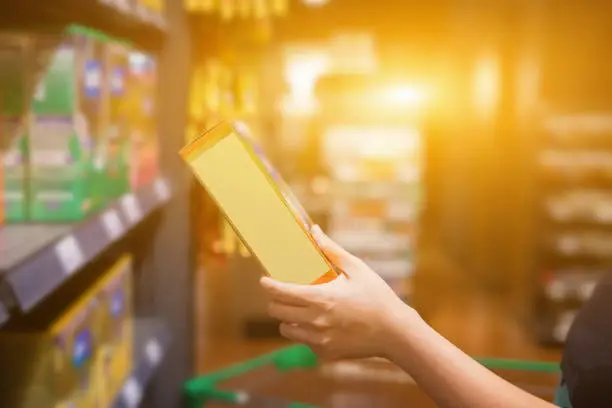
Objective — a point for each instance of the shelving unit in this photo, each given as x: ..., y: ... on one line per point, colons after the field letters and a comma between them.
x: 121, y: 18
x: 35, y: 259
x: 153, y: 340
x: 39, y: 263
x: 575, y: 210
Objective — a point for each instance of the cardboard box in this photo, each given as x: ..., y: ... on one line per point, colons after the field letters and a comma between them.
x: 14, y: 62
x: 115, y: 356
x: 143, y: 124
x: 54, y: 367
x: 66, y: 120
x: 14, y: 169
x: 258, y: 204
x: 111, y: 149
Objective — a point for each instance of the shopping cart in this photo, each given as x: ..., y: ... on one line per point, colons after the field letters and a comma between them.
x: 294, y: 374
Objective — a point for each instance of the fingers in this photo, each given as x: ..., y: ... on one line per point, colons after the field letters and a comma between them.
x: 289, y: 313
x: 291, y: 294
x: 305, y: 316
x: 338, y: 255
x: 300, y: 334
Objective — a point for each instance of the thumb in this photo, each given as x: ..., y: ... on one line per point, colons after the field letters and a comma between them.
x: 336, y: 254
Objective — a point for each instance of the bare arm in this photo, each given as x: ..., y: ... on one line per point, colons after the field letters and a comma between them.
x: 449, y: 376
x: 358, y: 315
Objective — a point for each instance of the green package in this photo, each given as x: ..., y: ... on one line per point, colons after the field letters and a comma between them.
x: 66, y: 121
x: 15, y: 169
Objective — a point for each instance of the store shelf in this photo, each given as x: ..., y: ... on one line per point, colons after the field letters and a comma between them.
x: 3, y: 314
x: 119, y: 18
x: 36, y: 259
x: 153, y: 339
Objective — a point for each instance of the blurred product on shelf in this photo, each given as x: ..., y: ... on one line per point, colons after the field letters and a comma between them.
x: 110, y: 157
x: 14, y: 169
x: 142, y: 120
x: 66, y: 153
x: 376, y: 193
x: 116, y: 343
x: 576, y: 209
x: 239, y: 9
x: 82, y: 358
x: 13, y: 138
x: 66, y: 121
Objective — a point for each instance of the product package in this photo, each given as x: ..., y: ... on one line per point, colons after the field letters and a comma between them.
x: 258, y: 204
x: 14, y: 86
x: 114, y: 359
x: 143, y: 124
x: 66, y: 120
x: 111, y: 157
x: 153, y: 8
x: 54, y: 367
x: 14, y: 169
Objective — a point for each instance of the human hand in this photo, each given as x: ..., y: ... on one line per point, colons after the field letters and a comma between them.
x: 353, y: 316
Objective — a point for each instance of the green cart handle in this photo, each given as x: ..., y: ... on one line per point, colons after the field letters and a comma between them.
x: 204, y: 388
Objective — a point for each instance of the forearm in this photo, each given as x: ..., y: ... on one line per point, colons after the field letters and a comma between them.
x: 449, y: 376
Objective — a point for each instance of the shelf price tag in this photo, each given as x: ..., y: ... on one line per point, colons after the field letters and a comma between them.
x: 162, y: 190
x: 132, y: 393
x: 112, y: 224
x: 70, y: 254
x: 131, y: 208
x: 123, y: 5
x: 154, y: 352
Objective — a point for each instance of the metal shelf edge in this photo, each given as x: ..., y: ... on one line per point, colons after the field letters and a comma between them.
x: 149, y: 359
x: 41, y: 273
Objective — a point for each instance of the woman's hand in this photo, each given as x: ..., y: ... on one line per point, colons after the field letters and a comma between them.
x: 354, y: 316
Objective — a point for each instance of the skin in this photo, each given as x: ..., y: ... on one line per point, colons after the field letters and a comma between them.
x: 359, y: 316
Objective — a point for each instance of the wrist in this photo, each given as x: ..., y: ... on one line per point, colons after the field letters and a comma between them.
x: 400, y: 322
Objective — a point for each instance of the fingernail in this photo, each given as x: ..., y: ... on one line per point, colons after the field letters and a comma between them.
x: 265, y: 281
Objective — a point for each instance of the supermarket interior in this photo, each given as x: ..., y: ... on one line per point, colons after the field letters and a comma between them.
x: 457, y: 147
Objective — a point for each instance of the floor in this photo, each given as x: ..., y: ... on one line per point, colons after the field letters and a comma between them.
x: 481, y: 323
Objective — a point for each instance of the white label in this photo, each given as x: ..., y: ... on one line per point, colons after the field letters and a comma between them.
x: 132, y: 393
x: 93, y: 78
x: 162, y: 190
x: 586, y: 290
x: 557, y: 290
x: 112, y: 224
x: 123, y: 5
x: 154, y: 352
x: 70, y: 255
x: 131, y: 207
x: 40, y: 91
x: 242, y: 398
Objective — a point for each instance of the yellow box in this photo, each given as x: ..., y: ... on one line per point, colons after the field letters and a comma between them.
x: 258, y: 204
x: 114, y: 360
x: 54, y: 367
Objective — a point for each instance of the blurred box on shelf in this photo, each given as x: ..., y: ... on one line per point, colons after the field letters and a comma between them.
x: 142, y: 109
x: 13, y: 179
x: 111, y: 155
x: 66, y: 120
x: 114, y: 360
x: 152, y: 10
x: 54, y: 366
x: 14, y: 81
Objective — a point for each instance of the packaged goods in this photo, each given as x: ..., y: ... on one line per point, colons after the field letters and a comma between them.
x: 258, y: 204
x: 66, y: 120
x: 144, y: 160
x: 54, y: 366
x: 114, y: 359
